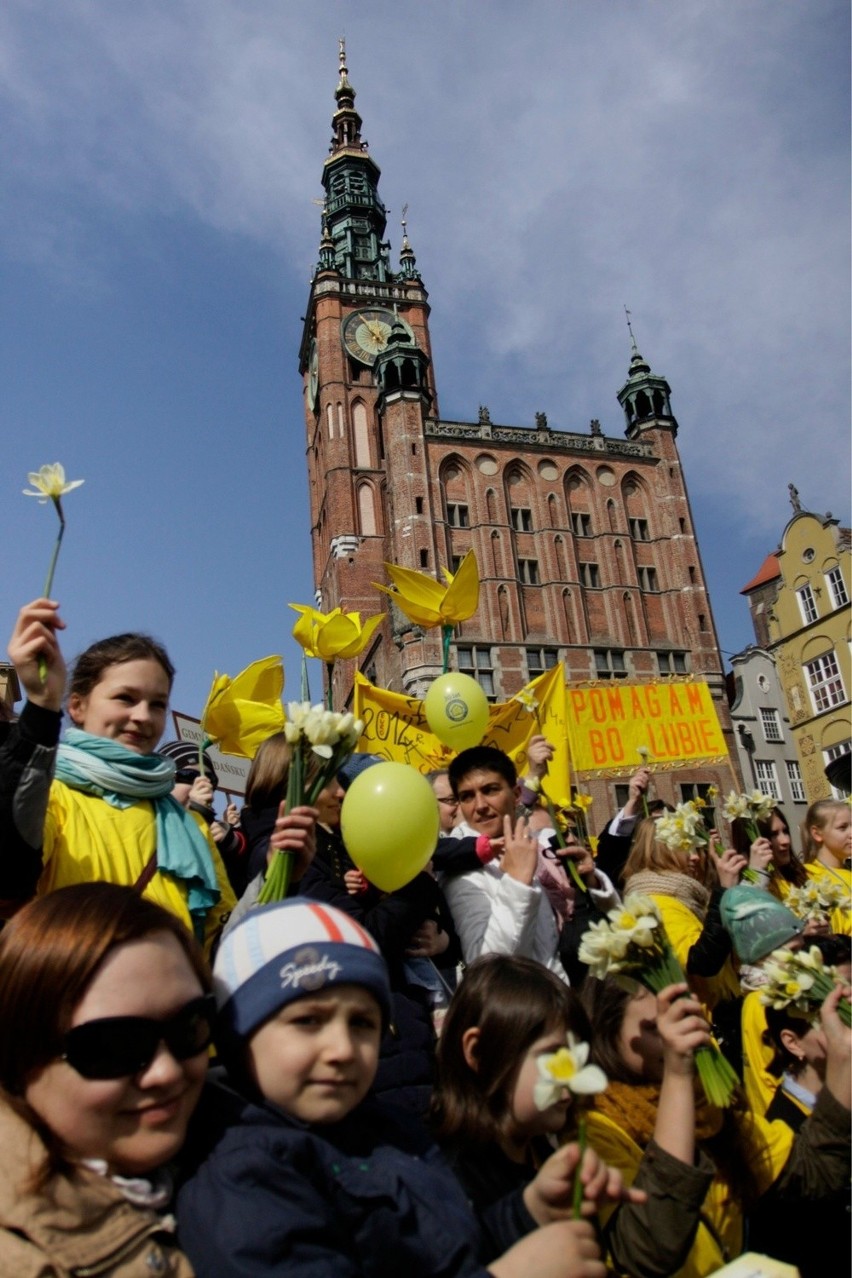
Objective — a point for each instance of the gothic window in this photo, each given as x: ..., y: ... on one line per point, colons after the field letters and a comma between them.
x: 671, y: 663
x: 639, y: 529
x: 541, y: 659
x: 424, y: 558
x: 361, y: 434
x: 366, y: 510
x: 561, y: 561
x: 340, y: 421
x: 458, y: 515
x: 528, y: 572
x: 491, y: 505
x: 521, y: 519
x: 610, y: 514
x: 581, y: 524
x: 648, y: 580
x: 609, y: 663
x: 329, y: 415
x: 476, y: 661
x: 590, y: 575
x: 495, y: 554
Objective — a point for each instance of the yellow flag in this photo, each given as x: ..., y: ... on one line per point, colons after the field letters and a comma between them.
x: 395, y: 728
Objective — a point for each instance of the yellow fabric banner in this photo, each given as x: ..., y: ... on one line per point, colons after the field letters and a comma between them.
x: 395, y: 728
x: 610, y: 722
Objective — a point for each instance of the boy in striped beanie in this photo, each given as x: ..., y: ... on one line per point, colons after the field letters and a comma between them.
x: 303, y: 1000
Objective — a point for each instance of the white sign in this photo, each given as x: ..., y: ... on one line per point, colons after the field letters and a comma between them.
x: 231, y: 770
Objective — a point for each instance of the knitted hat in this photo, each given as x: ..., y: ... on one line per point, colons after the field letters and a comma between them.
x: 354, y: 766
x: 184, y: 754
x: 757, y: 922
x: 287, y: 950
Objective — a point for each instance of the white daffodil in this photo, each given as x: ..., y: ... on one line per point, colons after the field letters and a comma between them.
x: 50, y: 483
x: 566, y: 1070
x: 644, y: 754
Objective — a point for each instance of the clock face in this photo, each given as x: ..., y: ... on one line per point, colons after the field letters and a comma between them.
x: 366, y: 333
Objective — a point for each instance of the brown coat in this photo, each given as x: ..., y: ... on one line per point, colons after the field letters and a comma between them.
x: 78, y: 1226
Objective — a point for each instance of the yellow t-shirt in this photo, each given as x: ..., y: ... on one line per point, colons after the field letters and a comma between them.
x: 759, y: 1084
x: 87, y: 840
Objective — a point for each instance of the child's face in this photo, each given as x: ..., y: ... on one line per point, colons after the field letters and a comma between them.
x: 837, y: 834
x: 527, y: 1119
x: 317, y: 1057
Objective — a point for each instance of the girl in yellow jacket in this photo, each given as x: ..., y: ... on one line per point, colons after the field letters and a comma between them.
x: 650, y: 1108
x: 827, y: 847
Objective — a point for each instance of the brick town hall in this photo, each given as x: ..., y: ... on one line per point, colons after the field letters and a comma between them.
x: 585, y: 542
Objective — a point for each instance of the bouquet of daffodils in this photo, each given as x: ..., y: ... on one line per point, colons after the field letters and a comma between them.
x: 632, y: 942
x: 817, y: 899
x: 750, y: 809
x: 321, y: 742
x: 683, y: 830
x: 566, y: 1069
x: 799, y: 979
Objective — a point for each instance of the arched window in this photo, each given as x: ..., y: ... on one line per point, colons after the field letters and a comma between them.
x: 366, y: 510
x: 362, y: 434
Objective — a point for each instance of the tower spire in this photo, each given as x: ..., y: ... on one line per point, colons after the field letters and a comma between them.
x: 407, y: 261
x: 633, y: 347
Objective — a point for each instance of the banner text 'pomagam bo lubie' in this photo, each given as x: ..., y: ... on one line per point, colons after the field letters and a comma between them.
x: 609, y: 723
x: 395, y: 728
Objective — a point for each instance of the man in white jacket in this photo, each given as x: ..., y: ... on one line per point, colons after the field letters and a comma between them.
x: 502, y: 908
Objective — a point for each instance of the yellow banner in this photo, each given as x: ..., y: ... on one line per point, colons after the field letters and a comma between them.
x: 610, y: 723
x: 395, y: 728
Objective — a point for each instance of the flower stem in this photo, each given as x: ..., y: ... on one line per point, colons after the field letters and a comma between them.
x: 447, y: 636
x: 48, y: 585
x: 329, y: 665
x: 578, y: 1183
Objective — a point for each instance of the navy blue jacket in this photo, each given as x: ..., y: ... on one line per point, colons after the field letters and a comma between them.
x: 369, y: 1197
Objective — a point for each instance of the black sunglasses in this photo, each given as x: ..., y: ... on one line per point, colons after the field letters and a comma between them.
x: 121, y: 1046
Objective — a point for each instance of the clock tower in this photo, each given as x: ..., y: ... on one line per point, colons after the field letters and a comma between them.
x: 368, y: 383
x: 586, y: 547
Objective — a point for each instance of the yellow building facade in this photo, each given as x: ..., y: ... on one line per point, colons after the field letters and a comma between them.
x: 804, y: 610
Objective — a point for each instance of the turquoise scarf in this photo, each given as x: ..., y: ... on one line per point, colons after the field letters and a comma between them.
x: 121, y: 778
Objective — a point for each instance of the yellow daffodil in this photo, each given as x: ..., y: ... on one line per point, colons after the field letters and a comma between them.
x: 566, y: 1070
x: 428, y: 603
x: 333, y: 635
x: 242, y: 712
x: 527, y: 700
x: 50, y: 483
x: 582, y: 802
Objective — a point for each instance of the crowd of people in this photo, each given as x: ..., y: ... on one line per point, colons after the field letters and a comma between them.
x: 349, y: 1081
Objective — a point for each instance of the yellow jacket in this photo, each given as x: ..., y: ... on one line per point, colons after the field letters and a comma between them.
x: 86, y: 840
x: 683, y: 929
x: 758, y: 1083
x: 719, y: 1237
x: 841, y: 920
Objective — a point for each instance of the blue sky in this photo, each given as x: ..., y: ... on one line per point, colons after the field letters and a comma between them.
x: 157, y: 234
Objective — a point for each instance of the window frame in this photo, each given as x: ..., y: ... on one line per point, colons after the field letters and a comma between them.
x: 825, y: 682
x: 774, y: 722
x: 606, y: 663
x: 768, y: 783
x: 807, y: 604
x: 481, y: 667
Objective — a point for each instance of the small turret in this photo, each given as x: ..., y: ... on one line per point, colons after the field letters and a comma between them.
x: 645, y: 396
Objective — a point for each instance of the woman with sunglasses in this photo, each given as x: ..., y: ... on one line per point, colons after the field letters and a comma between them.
x: 106, y: 1012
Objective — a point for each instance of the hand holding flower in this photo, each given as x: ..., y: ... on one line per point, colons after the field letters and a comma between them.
x: 294, y: 832
x: 33, y: 648
x: 550, y: 1195
x: 760, y: 855
x: 682, y: 1028
x: 539, y: 754
x: 729, y: 867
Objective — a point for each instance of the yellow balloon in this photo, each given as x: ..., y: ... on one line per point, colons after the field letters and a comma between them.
x: 456, y: 710
x: 389, y: 823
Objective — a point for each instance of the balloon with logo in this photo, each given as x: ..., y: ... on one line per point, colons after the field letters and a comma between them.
x: 389, y: 823
x: 456, y: 710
